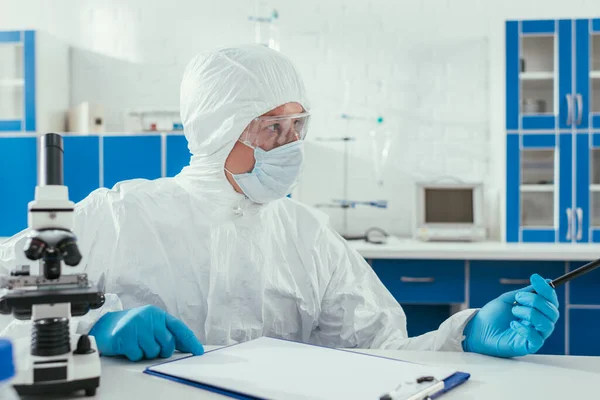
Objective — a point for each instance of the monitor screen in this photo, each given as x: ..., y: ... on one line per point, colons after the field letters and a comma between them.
x: 449, y: 205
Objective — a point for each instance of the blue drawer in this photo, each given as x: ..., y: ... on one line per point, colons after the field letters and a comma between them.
x: 423, y: 281
x: 131, y: 157
x: 584, y: 332
x: 489, y: 279
x: 586, y: 289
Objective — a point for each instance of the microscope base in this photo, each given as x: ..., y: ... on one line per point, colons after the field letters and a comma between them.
x: 60, y: 374
x: 88, y: 385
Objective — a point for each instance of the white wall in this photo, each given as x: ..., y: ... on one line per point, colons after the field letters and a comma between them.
x: 434, y: 69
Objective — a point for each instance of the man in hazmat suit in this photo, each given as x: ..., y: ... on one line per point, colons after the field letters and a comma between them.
x: 219, y: 255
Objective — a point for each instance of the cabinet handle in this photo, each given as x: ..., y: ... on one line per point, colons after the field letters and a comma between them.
x: 570, y: 109
x: 580, y: 222
x: 412, y: 279
x: 579, y: 108
x: 507, y: 281
x: 569, y: 222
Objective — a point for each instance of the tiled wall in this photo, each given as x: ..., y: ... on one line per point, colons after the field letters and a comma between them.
x: 434, y: 69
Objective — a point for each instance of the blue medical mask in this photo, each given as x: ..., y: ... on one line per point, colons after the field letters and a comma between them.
x: 275, y: 174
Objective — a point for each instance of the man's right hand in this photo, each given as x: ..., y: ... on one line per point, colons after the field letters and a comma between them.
x: 144, y: 332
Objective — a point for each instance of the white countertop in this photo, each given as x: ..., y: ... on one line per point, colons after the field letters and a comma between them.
x: 540, y: 377
x: 400, y: 248
x: 397, y: 248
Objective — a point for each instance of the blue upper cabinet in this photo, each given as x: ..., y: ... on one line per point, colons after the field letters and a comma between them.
x: 553, y: 128
x: 586, y: 129
x: 17, y: 81
x: 34, y: 82
x: 539, y: 176
x: 538, y: 75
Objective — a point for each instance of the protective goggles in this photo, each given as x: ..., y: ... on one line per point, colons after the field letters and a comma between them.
x: 268, y: 133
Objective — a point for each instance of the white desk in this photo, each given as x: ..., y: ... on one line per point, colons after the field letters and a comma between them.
x: 400, y: 248
x: 541, y: 377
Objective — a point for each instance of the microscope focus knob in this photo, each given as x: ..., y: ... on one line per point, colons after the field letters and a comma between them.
x: 84, y: 346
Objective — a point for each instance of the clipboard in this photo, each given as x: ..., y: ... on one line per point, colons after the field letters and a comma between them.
x: 271, y: 368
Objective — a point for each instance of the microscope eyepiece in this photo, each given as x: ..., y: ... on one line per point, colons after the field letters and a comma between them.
x: 51, y: 160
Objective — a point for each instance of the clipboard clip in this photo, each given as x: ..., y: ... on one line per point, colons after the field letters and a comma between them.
x: 424, y: 394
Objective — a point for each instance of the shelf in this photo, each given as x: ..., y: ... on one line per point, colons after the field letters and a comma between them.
x: 594, y: 188
x: 12, y: 82
x: 595, y: 74
x: 540, y: 114
x: 531, y: 188
x: 536, y: 76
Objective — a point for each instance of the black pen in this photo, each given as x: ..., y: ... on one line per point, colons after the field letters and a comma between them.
x: 573, y: 274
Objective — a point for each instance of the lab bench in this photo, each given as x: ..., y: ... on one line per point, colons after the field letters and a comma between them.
x: 433, y: 280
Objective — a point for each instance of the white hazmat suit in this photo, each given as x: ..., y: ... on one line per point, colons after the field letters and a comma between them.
x: 230, y: 269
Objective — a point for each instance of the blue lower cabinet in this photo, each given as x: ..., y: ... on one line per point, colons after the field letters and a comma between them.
x: 421, y: 319
x: 18, y: 178
x: 131, y: 157
x: 81, y: 165
x: 585, y: 290
x: 489, y: 279
x: 584, y: 332
x: 177, y: 153
x: 423, y: 281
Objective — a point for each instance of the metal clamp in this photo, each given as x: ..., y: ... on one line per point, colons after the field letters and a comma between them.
x: 508, y: 281
x: 579, y: 108
x: 569, y: 222
x: 570, y: 109
x: 412, y: 279
x: 580, y: 222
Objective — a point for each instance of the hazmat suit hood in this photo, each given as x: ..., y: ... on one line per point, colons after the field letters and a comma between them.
x: 222, y: 91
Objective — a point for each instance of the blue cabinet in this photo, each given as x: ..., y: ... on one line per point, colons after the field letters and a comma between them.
x: 17, y: 81
x: 81, y: 165
x: 34, y: 82
x: 552, y: 127
x: 586, y: 290
x: 177, y: 153
x: 584, y: 332
x: 131, y: 157
x: 539, y: 182
x: 423, y: 318
x: 490, y: 279
x: 427, y: 288
x: 90, y: 161
x: 538, y: 55
x: 18, y: 177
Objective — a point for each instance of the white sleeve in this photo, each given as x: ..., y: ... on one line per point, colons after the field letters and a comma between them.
x: 93, y: 228
x: 357, y: 311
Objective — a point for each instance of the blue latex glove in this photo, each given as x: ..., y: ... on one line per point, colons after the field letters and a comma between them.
x: 502, y: 329
x: 144, y: 332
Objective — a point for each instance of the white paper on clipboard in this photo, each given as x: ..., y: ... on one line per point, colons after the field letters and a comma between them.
x: 270, y: 368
